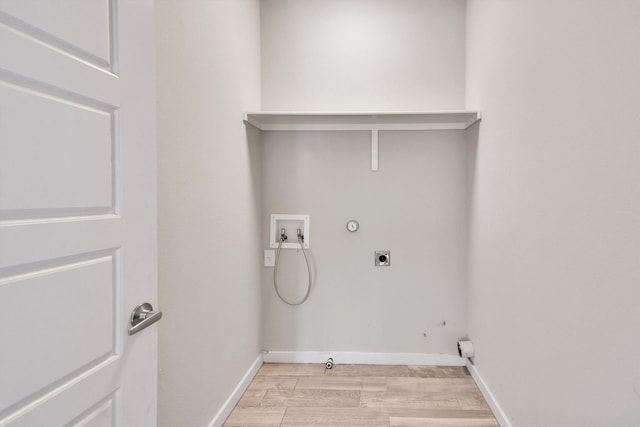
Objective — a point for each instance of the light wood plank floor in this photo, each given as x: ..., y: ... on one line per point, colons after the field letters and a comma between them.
x: 361, y: 395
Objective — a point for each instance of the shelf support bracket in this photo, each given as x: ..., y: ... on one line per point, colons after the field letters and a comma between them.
x: 374, y: 149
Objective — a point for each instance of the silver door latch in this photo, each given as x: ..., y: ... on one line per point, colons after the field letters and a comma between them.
x: 143, y: 316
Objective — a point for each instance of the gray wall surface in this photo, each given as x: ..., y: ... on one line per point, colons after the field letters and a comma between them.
x: 373, y: 55
x: 555, y: 213
x: 415, y: 206
x: 369, y: 55
x: 209, y: 204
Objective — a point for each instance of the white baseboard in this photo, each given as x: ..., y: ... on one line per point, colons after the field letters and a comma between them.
x: 235, y: 396
x: 488, y: 396
x: 356, y: 358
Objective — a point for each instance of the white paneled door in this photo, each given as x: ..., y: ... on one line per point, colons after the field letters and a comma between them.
x: 77, y: 212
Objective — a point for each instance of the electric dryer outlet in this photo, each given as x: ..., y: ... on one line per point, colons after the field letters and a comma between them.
x: 383, y: 259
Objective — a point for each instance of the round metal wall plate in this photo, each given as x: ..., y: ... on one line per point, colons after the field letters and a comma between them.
x: 353, y: 225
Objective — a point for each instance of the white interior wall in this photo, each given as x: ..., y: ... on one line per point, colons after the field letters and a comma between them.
x: 209, y: 204
x: 377, y: 55
x: 415, y: 206
x: 369, y: 55
x: 555, y: 213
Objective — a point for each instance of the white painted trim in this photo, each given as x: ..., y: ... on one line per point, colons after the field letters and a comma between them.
x: 501, y: 417
x: 354, y: 358
x: 235, y: 396
x: 317, y: 127
x: 361, y: 120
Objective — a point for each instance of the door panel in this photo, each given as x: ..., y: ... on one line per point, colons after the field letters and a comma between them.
x: 73, y: 335
x: 88, y: 36
x: 77, y: 212
x: 39, y: 60
x: 100, y: 415
x: 60, y: 151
